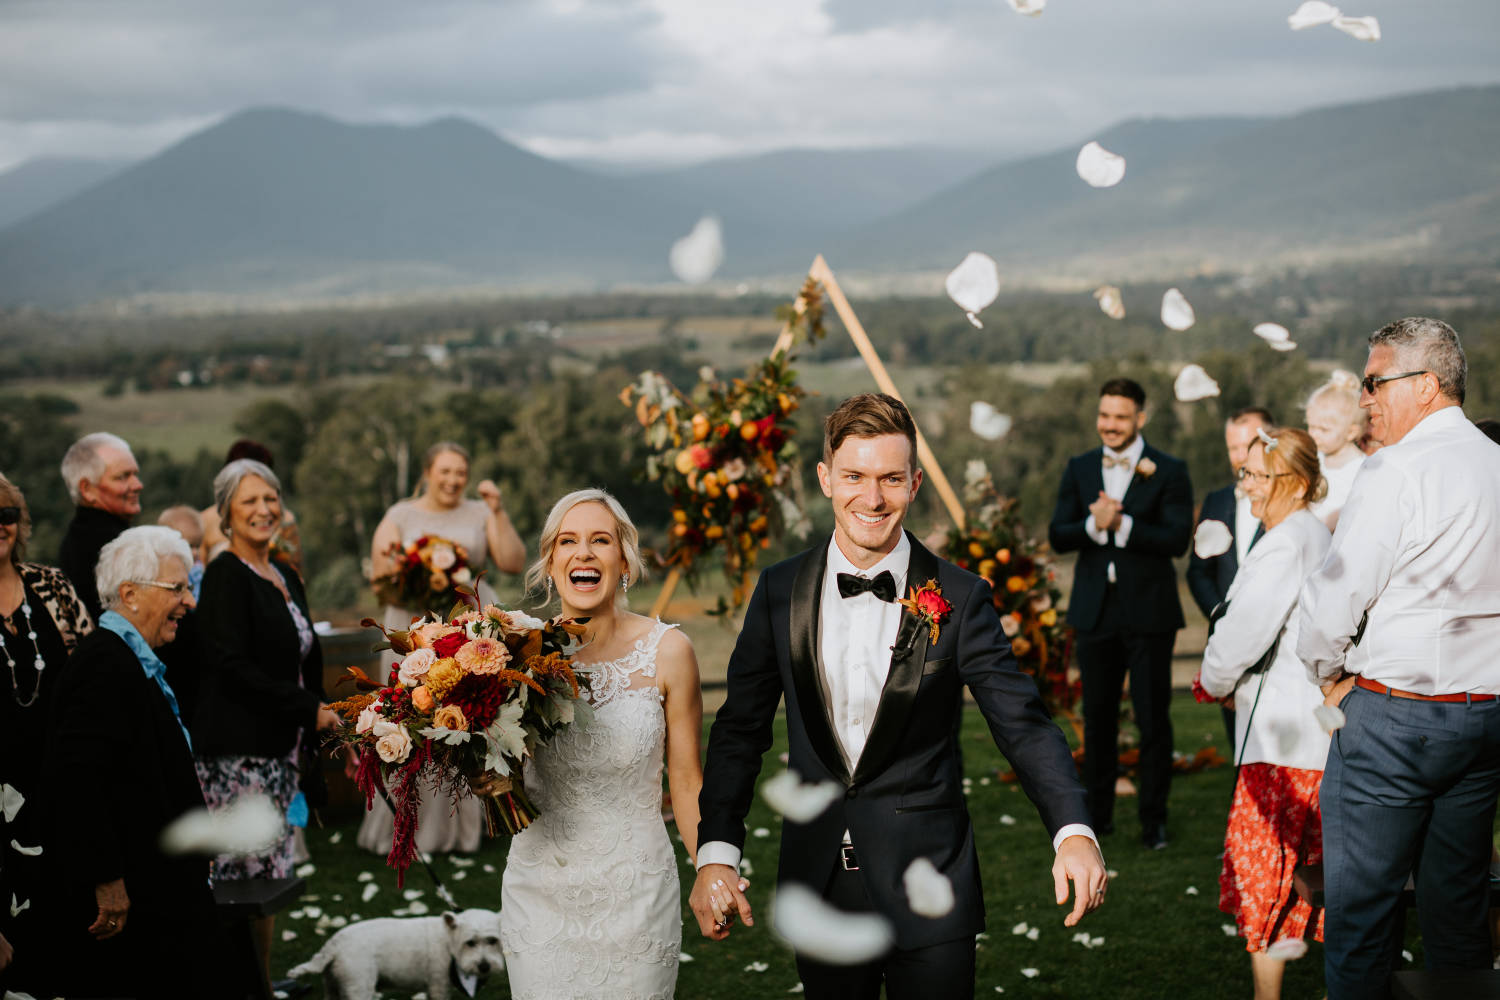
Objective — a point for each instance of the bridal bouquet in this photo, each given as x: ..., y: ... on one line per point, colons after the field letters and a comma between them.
x: 428, y: 573
x: 472, y: 696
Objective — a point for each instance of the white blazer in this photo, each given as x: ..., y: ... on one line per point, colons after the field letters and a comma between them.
x: 1263, y: 597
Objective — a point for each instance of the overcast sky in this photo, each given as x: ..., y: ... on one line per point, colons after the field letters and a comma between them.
x: 682, y: 80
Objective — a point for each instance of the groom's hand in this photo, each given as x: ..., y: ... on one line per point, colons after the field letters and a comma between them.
x: 718, y: 894
x: 1078, y: 858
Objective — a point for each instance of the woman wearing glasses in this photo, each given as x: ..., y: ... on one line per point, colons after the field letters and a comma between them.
x: 41, y: 620
x: 1337, y: 424
x: 1251, y: 659
x: 262, y: 689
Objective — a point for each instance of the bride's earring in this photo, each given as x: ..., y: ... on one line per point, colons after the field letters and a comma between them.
x: 549, y: 589
x: 625, y: 583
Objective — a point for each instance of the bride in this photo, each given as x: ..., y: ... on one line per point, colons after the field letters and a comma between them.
x: 590, y: 904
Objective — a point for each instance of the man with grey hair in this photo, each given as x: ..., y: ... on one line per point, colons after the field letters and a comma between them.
x: 1400, y: 627
x: 104, y: 482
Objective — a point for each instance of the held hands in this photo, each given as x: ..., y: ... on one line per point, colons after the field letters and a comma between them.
x: 1078, y: 858
x: 490, y: 494
x: 719, y: 894
x: 490, y: 783
x: 113, y: 905
x: 1106, y: 511
x: 328, y: 718
x: 1335, y: 690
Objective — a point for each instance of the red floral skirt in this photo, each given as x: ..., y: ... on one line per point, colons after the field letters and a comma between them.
x: 1274, y: 826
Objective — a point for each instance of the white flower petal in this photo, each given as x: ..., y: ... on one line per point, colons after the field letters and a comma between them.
x: 1312, y: 14
x: 1020, y: 929
x: 928, y: 891
x: 1330, y: 717
x: 18, y: 906
x: 336, y: 836
x: 1033, y: 934
x: 798, y: 988
x: 1110, y: 301
x: 417, y: 909
x: 760, y: 831
x: 1176, y: 311
x: 1363, y: 29
x: 364, y: 877
x: 1287, y: 949
x: 11, y: 801
x: 1284, y: 345
x: 1229, y: 930
x: 1006, y: 819
x: 248, y: 825
x: 30, y: 852
x: 1031, y: 973
x: 1212, y: 538
x: 1407, y: 955
x: 1030, y: 8
x: 683, y: 956
x: 1099, y: 167
x: 459, y: 875
x: 757, y: 967
x: 1273, y: 333
x: 306, y: 871
x: 987, y: 422
x: 974, y: 284
x: 1192, y: 890
x: 1193, y: 383
x: 802, y: 919
x: 370, y: 890
x: 746, y: 868
x: 288, y: 935
x: 696, y: 256
x: 801, y: 803
x: 1112, y: 873
x: 411, y: 894
x: 1096, y: 942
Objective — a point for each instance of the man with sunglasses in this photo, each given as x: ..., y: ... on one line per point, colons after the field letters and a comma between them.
x: 1400, y: 627
x: 104, y: 482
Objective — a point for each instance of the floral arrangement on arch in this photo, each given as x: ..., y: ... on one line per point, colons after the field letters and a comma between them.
x: 996, y: 545
x: 474, y: 694
x: 429, y: 572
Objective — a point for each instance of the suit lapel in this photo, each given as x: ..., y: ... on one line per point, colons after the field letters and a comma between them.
x: 899, y: 694
x: 1136, y: 479
x: 1093, y: 476
x: 807, y: 657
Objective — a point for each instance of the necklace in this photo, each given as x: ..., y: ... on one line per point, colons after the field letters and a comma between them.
x: 41, y: 664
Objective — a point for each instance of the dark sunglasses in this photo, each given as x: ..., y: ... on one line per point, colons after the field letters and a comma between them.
x: 1372, y: 382
x: 10, y: 515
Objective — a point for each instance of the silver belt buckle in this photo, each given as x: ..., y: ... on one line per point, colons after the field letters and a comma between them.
x: 846, y: 854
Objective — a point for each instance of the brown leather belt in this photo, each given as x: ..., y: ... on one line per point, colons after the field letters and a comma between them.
x: 1380, y: 688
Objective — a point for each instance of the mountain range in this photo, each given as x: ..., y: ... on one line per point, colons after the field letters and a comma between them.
x: 282, y: 203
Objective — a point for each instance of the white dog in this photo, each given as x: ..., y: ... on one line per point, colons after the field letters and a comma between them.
x: 415, y: 953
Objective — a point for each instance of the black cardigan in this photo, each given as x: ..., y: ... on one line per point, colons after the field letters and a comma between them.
x: 250, y: 702
x: 90, y: 530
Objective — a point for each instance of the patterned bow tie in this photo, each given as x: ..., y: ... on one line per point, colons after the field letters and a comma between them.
x: 882, y: 585
x: 1122, y: 461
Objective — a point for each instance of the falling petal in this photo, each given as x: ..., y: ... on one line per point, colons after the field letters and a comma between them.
x: 988, y: 422
x: 1176, y: 311
x: 1273, y: 333
x: 30, y: 852
x: 1110, y: 301
x: 489, y: 869
x: 1030, y: 8
x: 1192, y: 890
x: 760, y: 831
x: 336, y: 836
x: 1006, y: 819
x: 1112, y: 873
x: 1193, y: 383
x: 1312, y: 14
x: 11, y: 801
x: 1330, y: 717
x: 928, y: 891
x: 1031, y: 973
x: 696, y: 256
x: 683, y: 956
x: 288, y: 935
x: 1287, y: 949
x: 798, y: 802
x: 797, y: 989
x: 1407, y: 955
x: 246, y: 826
x: 1020, y: 929
x: 17, y: 906
x: 1099, y: 167
x: 746, y: 868
x: 1212, y: 538
x: 817, y: 930
x: 1229, y: 930
x: 1284, y: 345
x: 1362, y: 29
x: 974, y: 284
x: 1033, y: 934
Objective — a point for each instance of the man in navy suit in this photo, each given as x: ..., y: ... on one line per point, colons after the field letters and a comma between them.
x: 1208, y: 579
x: 1127, y: 510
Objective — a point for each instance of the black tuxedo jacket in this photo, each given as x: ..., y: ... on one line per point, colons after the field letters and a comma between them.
x: 1161, y: 507
x: 1208, y: 579
x: 905, y: 798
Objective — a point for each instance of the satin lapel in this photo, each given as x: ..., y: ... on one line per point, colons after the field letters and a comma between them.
x: 1093, y: 470
x: 806, y: 651
x: 1136, y: 480
x: 899, y: 695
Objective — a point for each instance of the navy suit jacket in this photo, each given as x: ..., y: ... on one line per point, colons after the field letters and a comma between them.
x: 1161, y: 508
x: 1208, y: 579
x: 905, y: 798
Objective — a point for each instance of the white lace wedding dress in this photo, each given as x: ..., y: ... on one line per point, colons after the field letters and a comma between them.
x: 590, y: 903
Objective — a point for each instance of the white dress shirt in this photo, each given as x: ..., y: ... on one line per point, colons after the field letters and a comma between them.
x: 1418, y: 549
x: 1264, y: 596
x: 1245, y: 526
x: 1117, y: 479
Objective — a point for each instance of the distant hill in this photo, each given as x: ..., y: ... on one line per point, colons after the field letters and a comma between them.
x: 37, y: 184
x: 284, y: 203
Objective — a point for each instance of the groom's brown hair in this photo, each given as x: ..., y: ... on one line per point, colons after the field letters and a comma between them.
x: 870, y: 414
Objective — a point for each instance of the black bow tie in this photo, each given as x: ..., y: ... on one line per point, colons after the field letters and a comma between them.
x: 882, y: 585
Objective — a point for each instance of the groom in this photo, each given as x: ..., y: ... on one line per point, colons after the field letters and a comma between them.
x: 873, y: 694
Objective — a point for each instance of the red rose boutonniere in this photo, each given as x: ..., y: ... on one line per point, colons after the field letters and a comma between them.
x: 929, y: 605
x: 1145, y: 468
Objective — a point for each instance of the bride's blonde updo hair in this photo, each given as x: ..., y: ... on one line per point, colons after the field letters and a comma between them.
x: 539, y: 576
x: 1295, y: 454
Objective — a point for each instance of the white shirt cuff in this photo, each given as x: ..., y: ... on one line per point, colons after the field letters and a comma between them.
x: 1102, y: 537
x: 718, y: 852
x: 1071, y: 830
x: 1122, y: 533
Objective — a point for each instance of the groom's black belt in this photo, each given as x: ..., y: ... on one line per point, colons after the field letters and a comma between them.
x: 846, y: 854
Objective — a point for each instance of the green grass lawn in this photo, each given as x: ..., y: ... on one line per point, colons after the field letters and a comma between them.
x: 1161, y: 937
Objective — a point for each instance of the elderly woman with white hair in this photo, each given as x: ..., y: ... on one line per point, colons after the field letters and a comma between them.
x: 261, y: 691
x: 127, y: 919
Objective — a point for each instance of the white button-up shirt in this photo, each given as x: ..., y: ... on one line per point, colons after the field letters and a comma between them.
x: 1418, y: 548
x: 1116, y: 481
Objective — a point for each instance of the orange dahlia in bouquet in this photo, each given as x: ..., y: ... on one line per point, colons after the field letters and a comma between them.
x: 473, y: 696
x: 429, y: 572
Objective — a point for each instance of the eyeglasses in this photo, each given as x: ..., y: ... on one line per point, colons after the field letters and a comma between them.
x: 1259, y: 477
x: 177, y: 589
x: 1372, y: 382
x: 10, y: 515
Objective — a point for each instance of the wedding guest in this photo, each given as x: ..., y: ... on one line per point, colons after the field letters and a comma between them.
x: 1209, y: 579
x: 1127, y: 510
x: 186, y: 522
x: 104, y: 482
x: 1400, y: 625
x: 41, y: 621
x: 485, y: 531
x: 262, y: 690
x: 286, y: 545
x: 1337, y: 423
x: 126, y: 919
x: 1273, y: 823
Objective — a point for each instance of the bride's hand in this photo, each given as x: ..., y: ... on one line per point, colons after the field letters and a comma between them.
x: 490, y: 783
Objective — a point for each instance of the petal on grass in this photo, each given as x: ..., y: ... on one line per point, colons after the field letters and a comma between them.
x: 928, y: 891
x: 1193, y: 383
x: 1006, y: 819
x: 801, y: 919
x: 988, y: 422
x: 1176, y: 311
x: 1212, y: 538
x: 370, y: 890
x: 1312, y: 14
x: 1020, y: 928
x: 1099, y: 167
x: 696, y: 256
x: 247, y: 826
x: 1033, y: 934
x: 1111, y: 303
x: 1191, y: 890
x: 974, y: 284
x: 1229, y: 930
x: 799, y: 802
x: 1330, y: 717
x: 1031, y: 973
